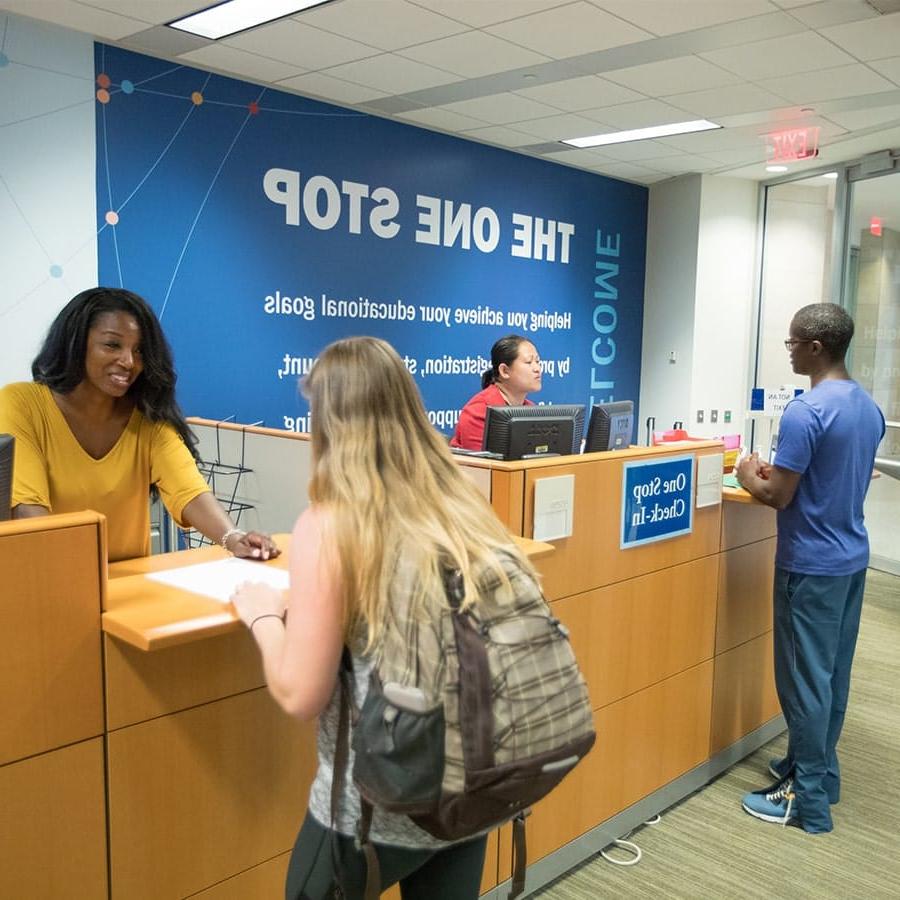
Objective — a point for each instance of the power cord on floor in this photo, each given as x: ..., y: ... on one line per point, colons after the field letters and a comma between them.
x: 629, y: 846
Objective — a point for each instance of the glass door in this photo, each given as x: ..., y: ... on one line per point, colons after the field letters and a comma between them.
x: 797, y: 269
x: 872, y: 297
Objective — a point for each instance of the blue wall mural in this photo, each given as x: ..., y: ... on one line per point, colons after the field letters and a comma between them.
x: 261, y: 226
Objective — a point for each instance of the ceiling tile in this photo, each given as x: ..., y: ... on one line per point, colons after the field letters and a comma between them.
x: 872, y: 39
x: 706, y: 141
x: 755, y: 154
x: 438, y: 117
x: 394, y: 105
x: 157, y: 12
x: 647, y: 180
x: 247, y: 65
x: 790, y: 4
x: 641, y: 114
x: 734, y: 100
x: 828, y: 84
x: 474, y: 54
x: 848, y: 148
x: 689, y: 73
x: 391, y: 74
x: 300, y: 45
x: 833, y: 12
x: 856, y: 119
x: 574, y: 94
x: 318, y: 85
x: 98, y: 22
x: 569, y: 30
x: 559, y: 128
x: 890, y: 68
x: 478, y: 13
x: 578, y: 157
x: 639, y: 150
x: 495, y: 134
x: 676, y: 165
x: 780, y: 56
x: 622, y: 170
x: 668, y: 17
x: 158, y: 40
x: 387, y: 24
x: 501, y: 109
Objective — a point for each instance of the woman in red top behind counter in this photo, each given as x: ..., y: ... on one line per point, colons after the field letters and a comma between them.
x: 515, y: 372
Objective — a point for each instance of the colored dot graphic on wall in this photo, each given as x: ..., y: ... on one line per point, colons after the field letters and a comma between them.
x: 108, y: 85
x: 56, y: 271
x: 4, y: 60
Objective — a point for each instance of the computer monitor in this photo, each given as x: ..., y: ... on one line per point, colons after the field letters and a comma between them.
x: 7, y: 449
x: 526, y: 432
x: 610, y: 426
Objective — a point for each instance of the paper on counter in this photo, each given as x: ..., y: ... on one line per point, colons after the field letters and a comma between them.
x: 220, y: 579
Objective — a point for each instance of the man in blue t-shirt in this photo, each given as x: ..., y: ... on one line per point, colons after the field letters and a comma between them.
x: 818, y: 481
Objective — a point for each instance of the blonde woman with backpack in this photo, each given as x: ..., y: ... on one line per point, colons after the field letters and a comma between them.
x: 385, y: 490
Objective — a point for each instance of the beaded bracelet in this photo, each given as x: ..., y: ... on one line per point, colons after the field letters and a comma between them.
x: 223, y: 541
x: 265, y: 616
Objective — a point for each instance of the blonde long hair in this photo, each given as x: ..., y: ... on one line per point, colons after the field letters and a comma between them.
x: 390, y: 486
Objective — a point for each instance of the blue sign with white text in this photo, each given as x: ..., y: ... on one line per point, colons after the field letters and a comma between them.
x: 262, y: 225
x: 657, y: 500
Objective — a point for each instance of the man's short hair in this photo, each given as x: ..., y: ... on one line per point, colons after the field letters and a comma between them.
x: 826, y: 323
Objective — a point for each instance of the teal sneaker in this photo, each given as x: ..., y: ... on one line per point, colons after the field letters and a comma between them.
x: 772, y: 804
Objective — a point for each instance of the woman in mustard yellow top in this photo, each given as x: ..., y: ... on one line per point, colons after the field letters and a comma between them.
x: 99, y: 427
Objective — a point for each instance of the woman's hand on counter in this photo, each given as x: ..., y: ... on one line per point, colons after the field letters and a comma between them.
x: 252, y: 545
x: 254, y: 601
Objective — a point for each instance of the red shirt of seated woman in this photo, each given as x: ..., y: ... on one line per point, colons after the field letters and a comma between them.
x: 508, y: 384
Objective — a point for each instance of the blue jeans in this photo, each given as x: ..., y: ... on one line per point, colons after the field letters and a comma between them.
x: 816, y: 623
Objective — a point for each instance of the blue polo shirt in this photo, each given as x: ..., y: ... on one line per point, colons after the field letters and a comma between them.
x: 830, y: 435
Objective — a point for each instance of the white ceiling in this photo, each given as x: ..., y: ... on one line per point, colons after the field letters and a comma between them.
x: 524, y: 74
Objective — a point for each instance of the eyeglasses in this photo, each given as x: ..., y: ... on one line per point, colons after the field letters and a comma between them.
x: 789, y: 343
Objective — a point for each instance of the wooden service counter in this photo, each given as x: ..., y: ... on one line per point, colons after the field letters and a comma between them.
x: 140, y: 753
x: 142, y: 757
x: 674, y: 638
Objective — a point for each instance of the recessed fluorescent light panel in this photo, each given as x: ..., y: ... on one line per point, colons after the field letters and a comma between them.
x: 642, y: 134
x: 238, y: 15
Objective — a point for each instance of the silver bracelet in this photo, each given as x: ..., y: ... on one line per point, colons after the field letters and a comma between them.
x: 224, y: 539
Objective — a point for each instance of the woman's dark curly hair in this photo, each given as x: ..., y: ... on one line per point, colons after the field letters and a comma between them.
x: 60, y: 363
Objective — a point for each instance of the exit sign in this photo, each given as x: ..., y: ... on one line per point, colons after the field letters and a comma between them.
x: 793, y: 144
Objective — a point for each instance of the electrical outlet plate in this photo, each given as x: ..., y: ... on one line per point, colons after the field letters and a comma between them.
x: 713, y: 416
x: 700, y: 416
x: 726, y: 416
